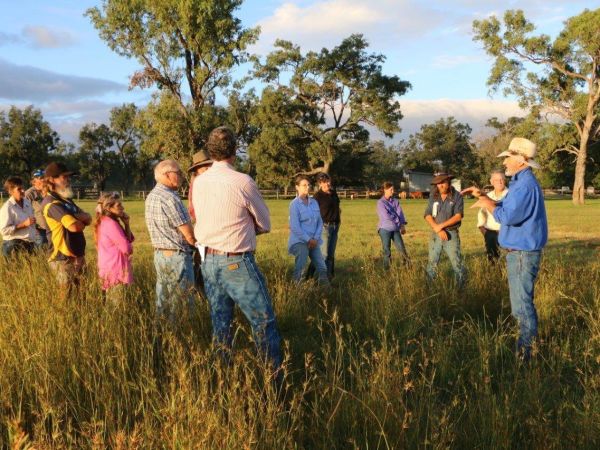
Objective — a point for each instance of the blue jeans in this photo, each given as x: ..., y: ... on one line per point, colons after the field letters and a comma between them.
x: 231, y: 280
x: 330, y: 238
x: 41, y: 238
x: 302, y: 252
x: 174, y: 279
x: 452, y: 249
x: 522, y: 268
x: 386, y: 240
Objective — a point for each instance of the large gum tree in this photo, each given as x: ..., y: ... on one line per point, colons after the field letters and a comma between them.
x: 560, y: 76
x: 187, y: 49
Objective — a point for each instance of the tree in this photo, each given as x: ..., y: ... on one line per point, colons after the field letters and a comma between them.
x: 127, y: 139
x: 326, y: 99
x: 560, y: 76
x: 96, y: 156
x: 384, y: 164
x: 27, y: 141
x: 196, y: 42
x: 445, y: 146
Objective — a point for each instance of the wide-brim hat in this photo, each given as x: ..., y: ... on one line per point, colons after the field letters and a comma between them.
x: 441, y: 177
x: 523, y: 147
x: 200, y: 159
x: 56, y: 169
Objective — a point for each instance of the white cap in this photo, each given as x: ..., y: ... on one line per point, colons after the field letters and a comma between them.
x: 523, y: 147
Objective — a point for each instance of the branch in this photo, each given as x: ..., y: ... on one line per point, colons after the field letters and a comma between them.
x: 569, y: 149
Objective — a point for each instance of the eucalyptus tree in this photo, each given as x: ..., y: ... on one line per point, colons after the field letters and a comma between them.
x: 560, y: 75
x: 321, y: 102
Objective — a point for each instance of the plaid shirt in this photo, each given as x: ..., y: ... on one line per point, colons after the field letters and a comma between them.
x: 164, y: 214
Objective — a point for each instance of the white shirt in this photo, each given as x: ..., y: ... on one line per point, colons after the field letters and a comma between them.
x: 229, y: 209
x: 484, y: 218
x: 11, y: 214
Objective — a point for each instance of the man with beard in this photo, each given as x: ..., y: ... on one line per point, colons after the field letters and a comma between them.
x: 444, y: 214
x: 65, y: 222
x: 523, y: 234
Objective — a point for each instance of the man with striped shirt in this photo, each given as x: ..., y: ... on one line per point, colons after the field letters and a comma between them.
x: 232, y: 213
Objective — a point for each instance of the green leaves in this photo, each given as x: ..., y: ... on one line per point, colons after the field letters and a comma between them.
x: 321, y: 102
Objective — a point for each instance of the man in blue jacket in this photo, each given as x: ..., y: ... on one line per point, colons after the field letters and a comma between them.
x: 523, y: 234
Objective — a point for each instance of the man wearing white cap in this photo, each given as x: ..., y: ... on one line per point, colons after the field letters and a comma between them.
x: 523, y: 234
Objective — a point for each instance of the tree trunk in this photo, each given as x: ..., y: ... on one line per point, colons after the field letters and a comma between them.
x: 579, y: 183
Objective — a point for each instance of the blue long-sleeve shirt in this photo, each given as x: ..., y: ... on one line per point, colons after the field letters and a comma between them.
x: 522, y: 214
x: 385, y: 220
x: 305, y: 222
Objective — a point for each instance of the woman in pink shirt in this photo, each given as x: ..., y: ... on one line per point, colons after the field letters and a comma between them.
x: 113, y: 241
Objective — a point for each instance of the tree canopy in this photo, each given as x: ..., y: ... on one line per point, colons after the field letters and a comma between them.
x: 191, y: 42
x: 26, y: 141
x: 318, y: 103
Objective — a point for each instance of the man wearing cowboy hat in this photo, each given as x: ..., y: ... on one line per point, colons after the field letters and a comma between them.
x: 200, y: 164
x: 444, y: 214
x: 523, y: 233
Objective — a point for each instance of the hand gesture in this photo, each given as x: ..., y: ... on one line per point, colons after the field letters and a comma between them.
x: 312, y: 243
x: 443, y: 235
x: 473, y: 190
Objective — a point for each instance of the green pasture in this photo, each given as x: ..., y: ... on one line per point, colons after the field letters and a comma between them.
x: 377, y: 361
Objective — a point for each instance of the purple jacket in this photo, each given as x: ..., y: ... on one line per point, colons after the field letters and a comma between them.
x: 390, y: 214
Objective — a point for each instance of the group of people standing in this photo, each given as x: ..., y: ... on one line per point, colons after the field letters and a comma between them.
x: 211, y: 244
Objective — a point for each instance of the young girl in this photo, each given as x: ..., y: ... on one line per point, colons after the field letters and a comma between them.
x: 113, y: 240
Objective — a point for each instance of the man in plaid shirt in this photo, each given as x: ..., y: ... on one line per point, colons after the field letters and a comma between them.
x: 172, y: 237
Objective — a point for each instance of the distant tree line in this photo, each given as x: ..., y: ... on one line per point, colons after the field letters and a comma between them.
x: 315, y: 110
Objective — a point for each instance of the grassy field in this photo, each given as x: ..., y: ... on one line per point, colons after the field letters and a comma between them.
x: 379, y: 361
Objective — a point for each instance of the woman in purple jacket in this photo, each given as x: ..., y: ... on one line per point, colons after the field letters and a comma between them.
x: 392, y: 225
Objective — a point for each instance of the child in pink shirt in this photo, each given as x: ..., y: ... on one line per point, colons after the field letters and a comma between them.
x: 113, y: 241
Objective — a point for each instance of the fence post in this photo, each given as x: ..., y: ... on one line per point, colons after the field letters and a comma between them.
x: 277, y: 193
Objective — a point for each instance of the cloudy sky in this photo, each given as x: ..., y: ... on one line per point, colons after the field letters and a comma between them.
x: 52, y: 57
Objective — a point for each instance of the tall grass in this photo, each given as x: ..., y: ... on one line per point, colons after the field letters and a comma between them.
x: 378, y: 361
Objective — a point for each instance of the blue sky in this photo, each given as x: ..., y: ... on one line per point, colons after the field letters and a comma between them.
x: 52, y: 57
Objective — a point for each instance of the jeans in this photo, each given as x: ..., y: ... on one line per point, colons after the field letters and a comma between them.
x: 174, y: 279
x: 522, y: 268
x: 41, y: 237
x: 302, y: 252
x: 386, y: 240
x: 16, y: 246
x: 330, y: 238
x: 491, y: 245
x: 231, y: 280
x: 452, y: 249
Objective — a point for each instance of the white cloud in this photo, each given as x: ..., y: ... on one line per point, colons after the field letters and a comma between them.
x: 325, y: 23
x: 27, y: 83
x: 44, y: 37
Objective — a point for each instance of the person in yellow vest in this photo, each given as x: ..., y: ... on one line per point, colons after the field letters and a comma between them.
x: 66, y: 222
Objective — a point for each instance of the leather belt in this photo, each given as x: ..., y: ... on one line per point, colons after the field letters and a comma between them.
x: 214, y: 251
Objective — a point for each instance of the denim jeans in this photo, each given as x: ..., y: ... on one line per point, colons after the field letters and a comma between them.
x: 16, y: 246
x: 386, y: 240
x: 41, y: 237
x: 522, y: 268
x: 452, y: 249
x: 174, y: 279
x: 330, y: 238
x: 231, y: 280
x: 302, y: 253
